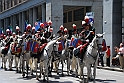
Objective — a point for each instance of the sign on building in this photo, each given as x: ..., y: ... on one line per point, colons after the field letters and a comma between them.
x: 91, y: 16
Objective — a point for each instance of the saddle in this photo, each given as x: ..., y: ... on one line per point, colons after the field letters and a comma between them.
x: 5, y: 50
x: 42, y: 47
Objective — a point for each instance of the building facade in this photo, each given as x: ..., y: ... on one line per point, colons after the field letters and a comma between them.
x: 108, y: 16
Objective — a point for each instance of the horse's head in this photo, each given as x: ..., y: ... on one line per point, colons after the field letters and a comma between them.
x: 99, y: 40
x: 19, y: 42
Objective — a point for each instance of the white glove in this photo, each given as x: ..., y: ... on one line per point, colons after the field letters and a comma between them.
x: 87, y: 40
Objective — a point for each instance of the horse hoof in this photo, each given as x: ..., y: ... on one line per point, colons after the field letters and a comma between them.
x: 50, y: 75
x: 32, y: 74
x: 44, y: 80
x: 23, y: 75
x: 2, y: 67
x: 19, y: 71
x: 5, y: 69
x: 10, y: 69
x: 37, y: 78
x: 62, y: 74
x: 27, y: 76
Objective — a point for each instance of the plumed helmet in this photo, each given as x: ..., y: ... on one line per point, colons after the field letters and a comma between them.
x: 28, y: 26
x: 49, y: 22
x: 86, y: 18
x: 61, y: 27
x: 74, y: 26
x: 13, y: 33
x: 33, y: 28
x: 83, y: 23
x: 65, y: 30
x: 17, y: 28
x: 51, y: 30
x: 41, y: 25
x: 7, y: 30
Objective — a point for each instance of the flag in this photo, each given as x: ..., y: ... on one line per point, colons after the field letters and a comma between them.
x: 0, y: 31
x: 10, y: 28
x: 45, y: 24
x: 75, y: 42
x: 37, y: 25
x: 26, y: 23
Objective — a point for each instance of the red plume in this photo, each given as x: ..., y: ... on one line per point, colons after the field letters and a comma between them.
x: 61, y: 27
x: 74, y: 26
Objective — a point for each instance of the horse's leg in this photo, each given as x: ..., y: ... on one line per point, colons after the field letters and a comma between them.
x: 27, y: 68
x: 77, y: 66
x: 94, y: 72
x: 16, y: 63
x: 88, y: 72
x: 2, y: 56
x: 62, y: 66
x: 35, y: 64
x: 31, y: 65
x: 68, y: 64
x: 23, y: 66
x: 5, y: 60
x: 20, y: 64
x: 10, y: 59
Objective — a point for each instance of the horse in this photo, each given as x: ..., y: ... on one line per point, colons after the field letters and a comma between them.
x: 91, y: 56
x: 6, y: 54
x: 2, y: 46
x: 46, y: 58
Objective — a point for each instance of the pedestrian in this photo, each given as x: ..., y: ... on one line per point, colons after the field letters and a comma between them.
x: 101, y: 53
x: 108, y: 54
x: 121, y: 54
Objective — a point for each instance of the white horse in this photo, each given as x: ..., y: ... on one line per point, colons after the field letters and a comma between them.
x: 7, y: 55
x: 45, y: 58
x: 91, y: 56
x: 2, y: 46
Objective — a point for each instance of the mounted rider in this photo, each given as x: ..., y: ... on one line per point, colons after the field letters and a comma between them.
x: 48, y: 34
x: 87, y: 34
x: 61, y: 39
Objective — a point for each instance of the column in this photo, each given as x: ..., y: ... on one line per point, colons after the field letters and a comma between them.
x: 13, y: 3
x: 112, y: 22
x: 34, y: 15
x: 5, y: 4
x: 23, y: 21
x: 0, y: 23
x: 5, y: 27
x: 14, y: 22
x: 31, y: 17
x: 17, y: 1
x: 11, y: 22
x: 2, y: 5
x: 54, y: 12
x: 43, y: 12
x: 10, y: 3
x: 20, y: 21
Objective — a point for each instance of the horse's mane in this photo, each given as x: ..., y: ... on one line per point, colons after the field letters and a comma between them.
x: 49, y: 44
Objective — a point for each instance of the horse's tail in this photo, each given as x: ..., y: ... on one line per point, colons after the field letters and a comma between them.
x: 73, y: 64
x: 31, y: 64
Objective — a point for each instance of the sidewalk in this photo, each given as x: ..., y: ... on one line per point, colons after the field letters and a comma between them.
x: 112, y: 68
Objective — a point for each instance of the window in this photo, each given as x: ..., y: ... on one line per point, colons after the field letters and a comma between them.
x: 65, y: 18
x: 70, y: 16
x: 78, y: 14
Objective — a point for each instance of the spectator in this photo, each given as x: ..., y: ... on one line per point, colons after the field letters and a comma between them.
x: 120, y: 55
x: 108, y: 54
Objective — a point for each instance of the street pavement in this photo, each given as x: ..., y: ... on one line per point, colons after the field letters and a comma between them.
x: 103, y: 75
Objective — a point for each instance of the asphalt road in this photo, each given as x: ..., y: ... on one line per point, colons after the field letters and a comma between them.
x: 102, y: 76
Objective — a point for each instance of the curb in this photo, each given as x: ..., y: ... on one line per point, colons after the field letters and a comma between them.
x: 110, y: 68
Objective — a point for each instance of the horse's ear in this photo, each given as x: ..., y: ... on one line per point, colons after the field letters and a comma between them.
x: 103, y: 33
